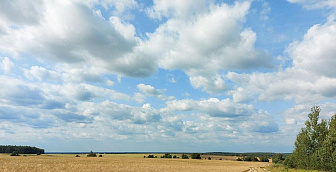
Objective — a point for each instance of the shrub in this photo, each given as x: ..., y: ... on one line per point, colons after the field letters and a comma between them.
x: 239, y: 159
x: 167, y: 155
x: 184, y: 156
x: 174, y: 156
x: 100, y: 155
x: 278, y: 158
x: 209, y: 158
x: 91, y: 154
x: 196, y: 156
x: 150, y: 156
x: 77, y: 155
x: 289, y: 162
x: 220, y: 158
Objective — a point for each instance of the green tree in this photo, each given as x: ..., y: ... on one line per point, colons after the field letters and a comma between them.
x: 328, y: 149
x: 196, y: 156
x: 315, y: 144
x: 91, y: 154
x: 184, y: 156
x: 167, y: 155
x: 264, y: 158
x: 278, y: 158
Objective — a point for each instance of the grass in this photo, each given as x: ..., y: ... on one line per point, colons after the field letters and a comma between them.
x: 282, y: 168
x: 120, y: 162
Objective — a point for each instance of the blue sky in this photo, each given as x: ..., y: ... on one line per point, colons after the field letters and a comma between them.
x: 164, y: 75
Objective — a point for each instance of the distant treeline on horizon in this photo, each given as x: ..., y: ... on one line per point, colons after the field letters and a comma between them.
x: 258, y: 154
x: 20, y: 149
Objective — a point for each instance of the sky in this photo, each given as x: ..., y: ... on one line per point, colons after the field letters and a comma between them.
x: 164, y: 75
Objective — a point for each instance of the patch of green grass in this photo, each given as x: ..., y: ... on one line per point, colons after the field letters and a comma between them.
x: 282, y: 168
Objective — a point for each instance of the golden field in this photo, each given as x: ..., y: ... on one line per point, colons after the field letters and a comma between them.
x: 123, y: 162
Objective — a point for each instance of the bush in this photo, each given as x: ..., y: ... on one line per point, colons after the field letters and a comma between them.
x: 77, y: 155
x: 278, y: 158
x: 150, y: 156
x: 184, y: 156
x: 167, y: 155
x: 220, y: 158
x: 196, y: 156
x: 174, y: 156
x: 239, y: 159
x: 209, y: 158
x: 91, y: 154
x: 100, y: 155
x: 14, y: 153
x: 289, y: 162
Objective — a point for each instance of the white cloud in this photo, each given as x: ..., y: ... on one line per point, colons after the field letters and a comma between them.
x: 260, y: 123
x: 109, y: 82
x: 241, y: 95
x: 310, y: 79
x: 175, y: 8
x: 138, y: 97
x: 120, y: 6
x: 149, y: 90
x: 204, y: 44
x: 21, y: 12
x: 214, y: 84
x: 71, y: 32
x: 316, y: 52
x: 225, y: 108
x: 86, y: 92
x: 266, y: 9
x: 42, y: 74
x: 6, y: 64
x: 315, y: 4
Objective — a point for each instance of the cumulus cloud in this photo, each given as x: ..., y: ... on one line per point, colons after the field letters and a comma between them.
x: 213, y: 107
x: 42, y: 74
x: 204, y: 44
x: 260, y: 123
x: 71, y: 32
x: 149, y: 90
x: 13, y: 91
x: 6, y: 64
x: 316, y: 51
x: 21, y: 12
x: 120, y: 6
x: 176, y: 8
x: 311, y: 77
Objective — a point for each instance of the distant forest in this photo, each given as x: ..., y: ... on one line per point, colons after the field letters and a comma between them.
x: 258, y: 154
x: 20, y: 149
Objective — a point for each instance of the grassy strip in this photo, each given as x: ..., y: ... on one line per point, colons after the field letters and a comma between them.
x: 282, y: 168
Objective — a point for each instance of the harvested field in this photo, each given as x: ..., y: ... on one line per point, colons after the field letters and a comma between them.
x: 120, y: 163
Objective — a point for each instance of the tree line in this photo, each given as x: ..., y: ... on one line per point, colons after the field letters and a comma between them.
x: 20, y: 149
x: 184, y: 156
x: 315, y: 145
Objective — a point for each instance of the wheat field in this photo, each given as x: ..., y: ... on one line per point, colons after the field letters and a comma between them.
x: 125, y: 162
